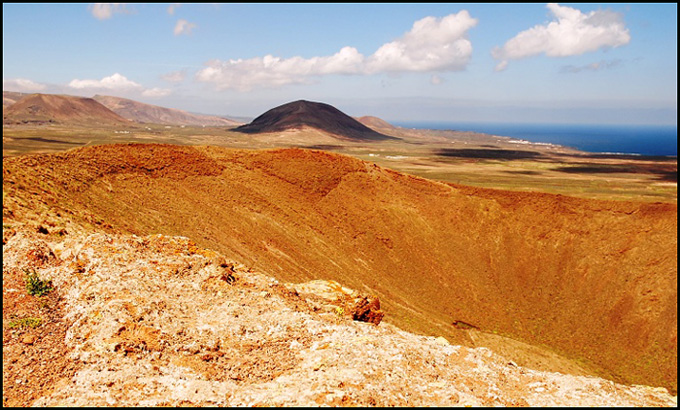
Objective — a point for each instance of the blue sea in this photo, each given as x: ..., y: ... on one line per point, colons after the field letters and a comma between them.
x: 624, y: 139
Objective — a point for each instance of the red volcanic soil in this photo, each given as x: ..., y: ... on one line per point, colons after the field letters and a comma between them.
x: 320, y: 116
x: 595, y: 281
x: 60, y: 109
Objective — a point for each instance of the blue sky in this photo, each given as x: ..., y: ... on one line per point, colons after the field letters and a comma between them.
x: 550, y: 63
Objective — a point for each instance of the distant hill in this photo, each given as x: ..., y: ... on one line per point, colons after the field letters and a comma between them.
x: 237, y: 118
x: 147, y: 113
x: 10, y: 97
x: 375, y: 122
x: 324, y: 117
x: 60, y: 109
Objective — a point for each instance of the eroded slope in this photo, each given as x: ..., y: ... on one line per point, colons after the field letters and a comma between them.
x: 159, y: 321
x: 593, y: 280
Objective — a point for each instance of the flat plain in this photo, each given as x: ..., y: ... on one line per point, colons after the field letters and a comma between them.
x: 457, y: 157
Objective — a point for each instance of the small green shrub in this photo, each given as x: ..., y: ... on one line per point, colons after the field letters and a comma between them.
x: 31, y: 322
x: 36, y: 286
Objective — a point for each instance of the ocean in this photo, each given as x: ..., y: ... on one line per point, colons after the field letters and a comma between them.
x: 623, y: 139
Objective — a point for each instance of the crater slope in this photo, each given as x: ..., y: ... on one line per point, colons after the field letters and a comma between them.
x: 158, y: 321
x: 595, y: 281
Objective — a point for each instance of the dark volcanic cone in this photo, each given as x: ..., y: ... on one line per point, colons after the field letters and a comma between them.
x: 321, y: 116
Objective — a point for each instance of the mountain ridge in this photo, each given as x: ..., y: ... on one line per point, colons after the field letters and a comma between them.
x: 10, y: 97
x: 148, y: 113
x: 60, y: 109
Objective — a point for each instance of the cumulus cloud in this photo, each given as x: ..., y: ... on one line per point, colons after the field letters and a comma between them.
x: 432, y: 44
x: 571, y: 33
x: 156, y: 92
x: 183, y: 27
x: 271, y: 71
x: 21, y: 85
x: 113, y: 82
x: 600, y: 65
x: 104, y: 11
x: 118, y: 83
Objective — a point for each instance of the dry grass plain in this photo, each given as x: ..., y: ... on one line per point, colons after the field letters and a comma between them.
x: 449, y: 156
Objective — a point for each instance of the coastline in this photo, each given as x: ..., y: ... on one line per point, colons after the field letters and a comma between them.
x: 640, y: 140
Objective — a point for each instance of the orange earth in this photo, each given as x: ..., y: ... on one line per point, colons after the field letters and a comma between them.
x: 592, y: 280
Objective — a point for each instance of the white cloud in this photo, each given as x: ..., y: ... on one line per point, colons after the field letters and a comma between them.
x: 183, y: 27
x: 346, y: 61
x: 103, y: 11
x: 21, y: 85
x: 572, y: 33
x: 432, y: 44
x: 156, y: 92
x: 113, y: 82
x: 175, y: 76
x: 173, y: 7
x: 119, y: 84
x: 243, y: 75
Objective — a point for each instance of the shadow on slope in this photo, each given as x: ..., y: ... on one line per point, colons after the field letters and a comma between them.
x: 666, y: 173
x: 500, y: 154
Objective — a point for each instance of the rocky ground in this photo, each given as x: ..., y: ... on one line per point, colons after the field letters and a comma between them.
x: 157, y: 320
